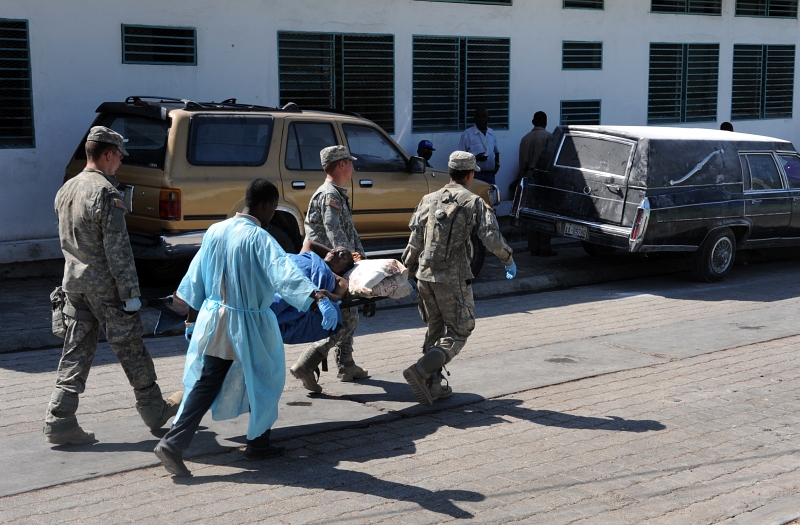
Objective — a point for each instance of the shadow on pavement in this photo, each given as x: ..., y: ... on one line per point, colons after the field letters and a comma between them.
x: 316, y: 467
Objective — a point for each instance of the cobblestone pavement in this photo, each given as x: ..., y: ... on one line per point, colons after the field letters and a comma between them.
x: 701, y: 439
x: 696, y: 440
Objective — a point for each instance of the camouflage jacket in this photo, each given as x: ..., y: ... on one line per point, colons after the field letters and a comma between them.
x: 94, y: 239
x: 479, y: 220
x: 329, y: 220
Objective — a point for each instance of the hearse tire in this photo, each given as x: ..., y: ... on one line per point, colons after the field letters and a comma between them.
x: 283, y: 239
x: 479, y: 255
x: 161, y: 271
x: 598, y: 250
x: 714, y: 259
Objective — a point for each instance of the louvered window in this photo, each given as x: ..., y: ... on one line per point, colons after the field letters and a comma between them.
x: 692, y: 7
x: 582, y: 55
x: 763, y: 82
x: 453, y: 76
x: 16, y: 97
x: 343, y: 71
x: 583, y: 4
x: 683, y: 83
x: 175, y: 46
x: 580, y: 112
x: 771, y: 8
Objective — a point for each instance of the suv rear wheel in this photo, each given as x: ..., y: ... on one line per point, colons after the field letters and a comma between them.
x: 714, y: 259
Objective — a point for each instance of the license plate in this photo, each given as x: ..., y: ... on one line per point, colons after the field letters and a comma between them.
x: 575, y: 231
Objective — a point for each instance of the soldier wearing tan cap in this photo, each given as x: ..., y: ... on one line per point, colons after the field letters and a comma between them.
x: 102, y: 290
x: 439, y: 252
x: 329, y: 222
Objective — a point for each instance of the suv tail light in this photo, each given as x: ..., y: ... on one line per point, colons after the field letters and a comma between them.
x: 169, y: 205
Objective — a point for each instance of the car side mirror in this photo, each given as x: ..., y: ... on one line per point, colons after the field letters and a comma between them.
x: 416, y: 165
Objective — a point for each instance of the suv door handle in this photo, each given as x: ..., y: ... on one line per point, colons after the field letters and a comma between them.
x: 298, y: 185
x: 365, y: 183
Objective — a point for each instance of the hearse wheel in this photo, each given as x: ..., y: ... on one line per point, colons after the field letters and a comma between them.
x: 598, y: 250
x: 714, y: 259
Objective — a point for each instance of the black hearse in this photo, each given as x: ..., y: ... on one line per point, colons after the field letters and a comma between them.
x: 659, y: 189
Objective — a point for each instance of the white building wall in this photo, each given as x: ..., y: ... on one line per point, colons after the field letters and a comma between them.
x: 77, y: 64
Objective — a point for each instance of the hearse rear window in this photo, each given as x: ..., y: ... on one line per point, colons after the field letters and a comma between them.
x: 229, y: 140
x: 591, y: 153
x: 791, y: 167
x: 145, y: 139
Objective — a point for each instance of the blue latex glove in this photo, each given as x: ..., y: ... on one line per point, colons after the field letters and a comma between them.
x: 132, y: 305
x: 329, y: 317
x: 189, y: 330
x: 511, y: 271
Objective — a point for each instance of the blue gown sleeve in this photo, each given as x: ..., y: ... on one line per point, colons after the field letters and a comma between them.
x: 192, y: 288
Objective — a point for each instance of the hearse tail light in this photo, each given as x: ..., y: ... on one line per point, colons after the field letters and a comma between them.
x: 640, y: 220
x: 517, y: 199
x: 169, y: 204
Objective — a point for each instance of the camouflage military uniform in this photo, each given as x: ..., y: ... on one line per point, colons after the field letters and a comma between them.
x: 445, y: 295
x: 330, y: 222
x: 99, y: 275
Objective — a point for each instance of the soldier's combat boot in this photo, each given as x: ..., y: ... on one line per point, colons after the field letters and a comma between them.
x: 154, y: 416
x: 306, y: 368
x: 75, y: 436
x: 437, y: 389
x: 348, y: 369
x: 418, y: 384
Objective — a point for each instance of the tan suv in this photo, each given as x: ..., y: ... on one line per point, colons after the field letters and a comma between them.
x: 190, y: 162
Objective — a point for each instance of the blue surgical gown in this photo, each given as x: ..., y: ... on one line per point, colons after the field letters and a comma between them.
x: 306, y: 327
x: 253, y: 267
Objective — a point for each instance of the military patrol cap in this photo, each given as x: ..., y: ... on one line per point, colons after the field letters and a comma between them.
x: 462, y: 161
x: 108, y: 135
x: 332, y: 154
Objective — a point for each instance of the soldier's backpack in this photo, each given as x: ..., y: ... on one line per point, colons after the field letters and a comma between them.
x: 446, y: 231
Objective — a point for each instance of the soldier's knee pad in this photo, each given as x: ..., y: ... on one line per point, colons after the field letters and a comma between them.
x: 432, y: 361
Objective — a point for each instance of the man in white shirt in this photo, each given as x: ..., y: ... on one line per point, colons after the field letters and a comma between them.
x: 481, y: 142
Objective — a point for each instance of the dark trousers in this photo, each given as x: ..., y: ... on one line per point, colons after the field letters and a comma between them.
x: 197, y: 404
x: 485, y: 176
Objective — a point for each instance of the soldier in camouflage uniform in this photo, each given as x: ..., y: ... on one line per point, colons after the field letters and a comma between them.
x: 439, y: 252
x: 330, y: 222
x: 102, y: 290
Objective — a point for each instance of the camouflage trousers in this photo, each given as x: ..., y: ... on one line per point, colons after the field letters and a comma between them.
x: 341, y: 340
x: 449, y: 311
x: 123, y: 332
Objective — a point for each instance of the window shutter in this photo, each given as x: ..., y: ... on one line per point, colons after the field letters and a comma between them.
x: 368, y: 77
x: 436, y: 84
x: 16, y: 96
x: 779, y: 88
x: 665, y: 83
x: 702, y: 75
x: 159, y: 45
x: 487, y: 79
x: 769, y: 8
x: 580, y: 112
x: 582, y: 55
x: 583, y: 4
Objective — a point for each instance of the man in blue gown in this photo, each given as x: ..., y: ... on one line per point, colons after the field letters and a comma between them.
x: 235, y: 362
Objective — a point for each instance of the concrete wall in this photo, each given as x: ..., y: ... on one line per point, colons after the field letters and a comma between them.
x: 76, y: 64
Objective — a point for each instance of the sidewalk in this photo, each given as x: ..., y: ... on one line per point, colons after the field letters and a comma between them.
x: 25, y: 303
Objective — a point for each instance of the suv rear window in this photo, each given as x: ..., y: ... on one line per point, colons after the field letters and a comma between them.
x: 145, y: 139
x: 594, y: 154
x: 229, y: 140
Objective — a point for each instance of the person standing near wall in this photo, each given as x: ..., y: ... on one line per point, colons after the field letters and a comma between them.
x: 329, y: 222
x: 531, y: 148
x: 102, y: 290
x: 481, y: 142
x: 425, y: 150
x: 438, y: 253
